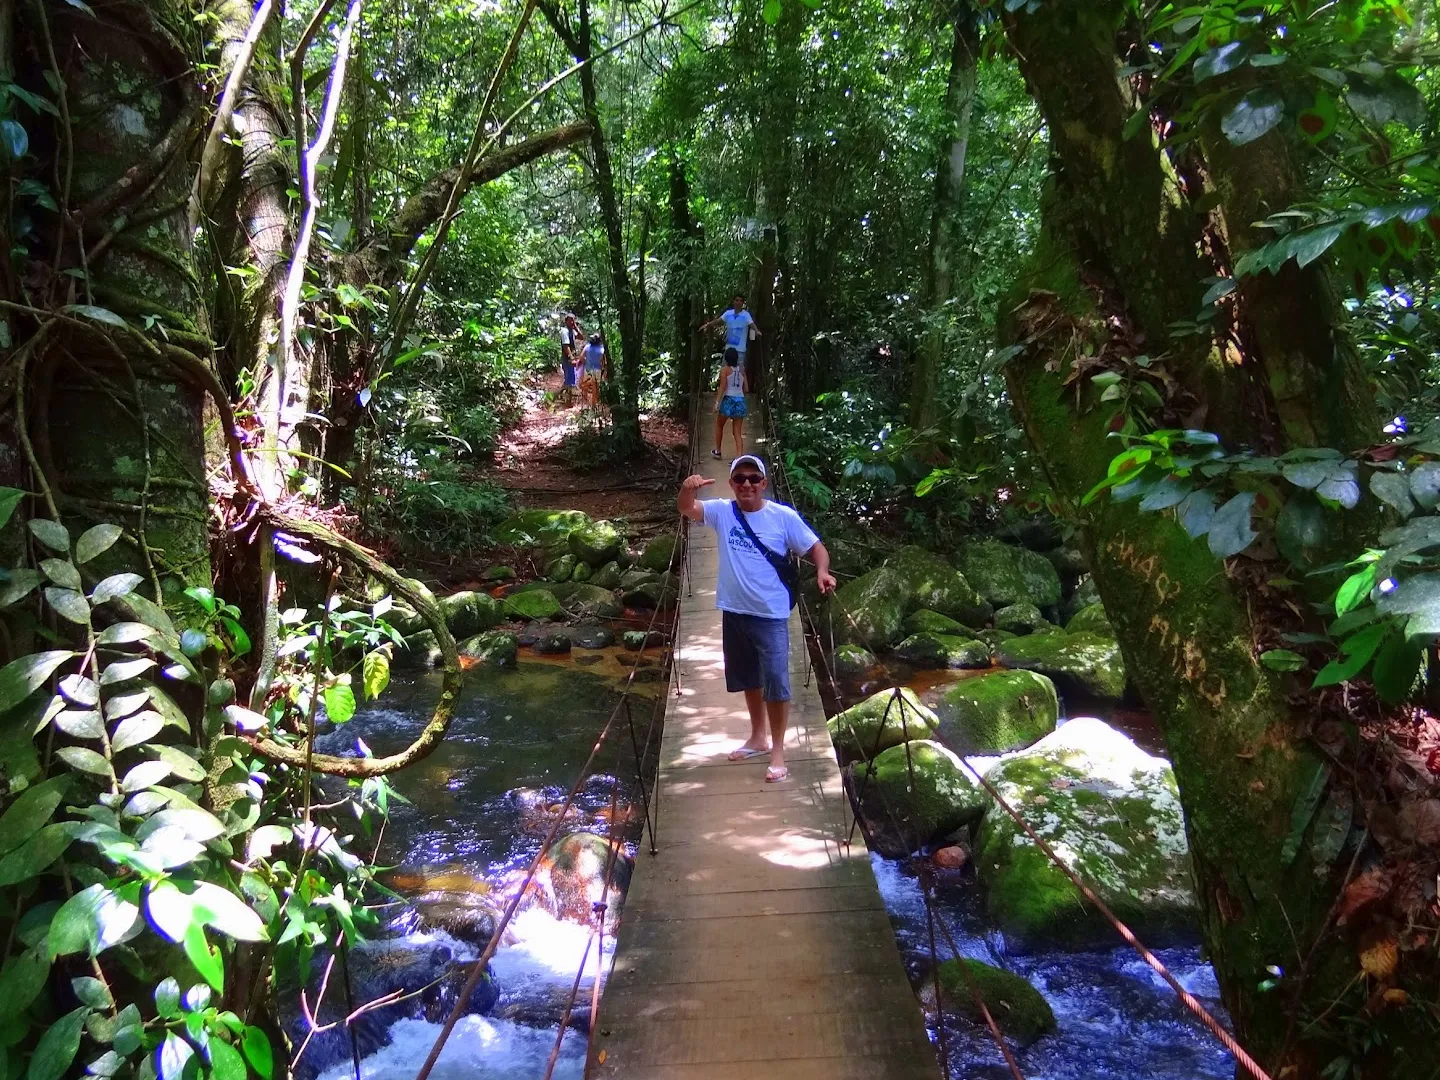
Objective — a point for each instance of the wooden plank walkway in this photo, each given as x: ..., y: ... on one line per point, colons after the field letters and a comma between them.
x: 755, y: 944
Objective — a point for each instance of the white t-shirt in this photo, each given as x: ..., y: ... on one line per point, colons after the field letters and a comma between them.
x: 748, y: 584
x: 567, y: 337
x: 735, y: 384
x: 737, y: 329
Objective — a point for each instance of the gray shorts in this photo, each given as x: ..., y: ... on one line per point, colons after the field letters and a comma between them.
x: 757, y: 654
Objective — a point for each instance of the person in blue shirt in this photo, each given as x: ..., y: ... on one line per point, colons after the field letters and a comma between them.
x: 753, y: 601
x: 595, y: 364
x: 739, y: 326
x: 730, y: 392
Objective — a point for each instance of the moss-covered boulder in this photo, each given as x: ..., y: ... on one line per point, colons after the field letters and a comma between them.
x: 993, y: 638
x: 1112, y: 813
x: 533, y: 604
x: 560, y: 569
x: 633, y: 579
x: 607, y: 577
x: 553, y: 644
x: 404, y: 618
x: 495, y: 648
x: 1085, y: 664
x: 591, y: 636
x: 635, y: 640
x: 582, y: 573
x: 926, y: 621
x: 659, y: 553
x: 943, y: 651
x: 468, y: 613
x: 558, y: 589
x: 596, y: 542
x: 593, y: 602
x: 539, y: 528
x: 1020, y: 1011
x: 1006, y: 575
x: 1091, y: 619
x: 498, y: 572
x: 997, y: 712
x: 899, y: 816
x: 1084, y: 595
x: 870, y: 610
x: 661, y: 591
x: 876, y: 724
x: 421, y: 651
x: 929, y: 582
x: 853, y: 661
x: 1020, y: 619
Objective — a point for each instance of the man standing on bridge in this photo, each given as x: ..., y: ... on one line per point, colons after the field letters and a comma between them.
x: 753, y: 593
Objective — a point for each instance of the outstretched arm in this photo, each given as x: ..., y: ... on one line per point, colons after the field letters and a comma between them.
x: 824, y: 580
x: 690, y: 507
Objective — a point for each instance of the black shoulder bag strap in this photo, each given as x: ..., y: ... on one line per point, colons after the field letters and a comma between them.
x: 784, y: 568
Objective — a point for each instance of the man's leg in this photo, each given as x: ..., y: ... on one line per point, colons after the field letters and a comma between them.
x: 757, y: 706
x: 778, y: 713
x: 743, y: 675
x: 773, y: 645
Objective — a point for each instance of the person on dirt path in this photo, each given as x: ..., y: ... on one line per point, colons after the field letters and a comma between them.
x: 730, y: 391
x: 570, y: 338
x: 739, y: 326
x: 753, y: 593
x: 597, y: 361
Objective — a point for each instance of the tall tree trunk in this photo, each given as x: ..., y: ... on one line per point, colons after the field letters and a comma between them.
x: 626, y: 409
x: 681, y: 282
x: 1116, y: 264
x: 953, y: 143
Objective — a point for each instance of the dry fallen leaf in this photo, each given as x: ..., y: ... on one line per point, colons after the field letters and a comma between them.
x: 1420, y: 822
x: 1379, y: 954
x: 1396, y: 996
x: 1369, y: 886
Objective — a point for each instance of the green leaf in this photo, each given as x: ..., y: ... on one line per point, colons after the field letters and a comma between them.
x: 172, y: 1055
x: 375, y: 671
x: 1396, y: 666
x: 1253, y: 116
x: 62, y: 572
x: 81, y: 723
x: 1196, y: 512
x: 182, y: 765
x: 1220, y: 60
x: 770, y: 13
x: 225, y: 1061
x: 1318, y: 122
x: 1355, y: 653
x: 1393, y: 489
x: 150, y: 613
x: 167, y: 998
x: 199, y: 825
x: 1307, y: 801
x: 80, y: 690
x: 166, y: 707
x: 1425, y: 485
x: 1282, y: 660
x: 95, y: 541
x: 227, y: 913
x: 84, y: 759
x: 9, y: 500
x: 29, y: 812
x: 146, y: 774
x: 69, y: 604
x: 1169, y: 492
x: 56, y: 1048
x: 1355, y: 589
x: 256, y: 1048
x: 1230, y: 531
x: 21, y: 584
x: 92, y: 992
x: 1390, y: 99
x: 15, y: 138
x: 205, y: 957
x: 339, y: 703
x: 125, y: 670
x: 113, y: 586
x: 137, y: 729
x: 22, y: 980
x: 1332, y: 829
x: 52, y: 534
x: 35, y: 855
x: 172, y: 912
x: 21, y: 678
x: 92, y: 920
x: 98, y: 314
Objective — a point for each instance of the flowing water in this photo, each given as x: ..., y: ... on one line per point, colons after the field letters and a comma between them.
x: 477, y: 809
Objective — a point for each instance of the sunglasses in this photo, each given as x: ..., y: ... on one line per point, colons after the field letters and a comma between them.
x: 747, y: 478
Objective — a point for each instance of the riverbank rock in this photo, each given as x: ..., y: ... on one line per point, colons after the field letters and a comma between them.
x: 495, y: 648
x: 633, y: 579
x: 553, y: 644
x: 560, y: 569
x: 404, y: 618
x: 929, y: 582
x: 941, y: 800
x: 871, y: 609
x: 1006, y: 575
x: 539, y: 528
x: 533, y: 604
x: 1084, y: 595
x: 659, y: 553
x: 1020, y: 619
x: 607, y: 577
x: 994, y: 637
x: 997, y: 712
x: 498, y: 573
x: 1091, y: 619
x: 574, y: 872
x: 876, y: 724
x: 943, y: 651
x: 635, y: 640
x: 853, y: 662
x: 1112, y: 812
x: 662, y: 591
x: 593, y: 602
x: 468, y: 613
x: 1019, y: 1010
x: 581, y: 573
x: 596, y: 542
x: 926, y: 621
x: 421, y: 651
x: 588, y: 636
x: 1077, y: 663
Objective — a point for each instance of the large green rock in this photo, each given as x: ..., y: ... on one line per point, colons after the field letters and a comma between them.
x: 943, y: 651
x: 633, y: 579
x: 1084, y: 595
x: 1007, y: 575
x: 496, y: 648
x: 853, y: 662
x: 876, y: 724
x: 870, y: 610
x: 1020, y: 1011
x: 581, y: 573
x: 929, y: 582
x: 558, y: 589
x: 659, y: 553
x: 1078, y: 663
x: 1091, y: 619
x: 498, y: 572
x: 591, y: 601
x: 539, y: 528
x: 1112, y: 814
x: 926, y: 621
x: 421, y: 651
x: 997, y: 712
x: 900, y: 815
x: 560, y: 569
x: 468, y: 613
x: 608, y: 576
x: 661, y: 591
x: 404, y: 618
x: 533, y: 604
x: 1020, y: 619
x: 596, y: 543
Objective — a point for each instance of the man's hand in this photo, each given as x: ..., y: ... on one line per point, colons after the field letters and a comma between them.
x: 825, y: 581
x: 694, y: 482
x: 688, y: 506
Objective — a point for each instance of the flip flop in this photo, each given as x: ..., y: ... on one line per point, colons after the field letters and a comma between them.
x: 744, y: 753
x: 777, y: 775
x: 715, y: 454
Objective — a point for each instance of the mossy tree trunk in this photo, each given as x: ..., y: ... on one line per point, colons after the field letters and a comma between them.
x: 1119, y: 261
